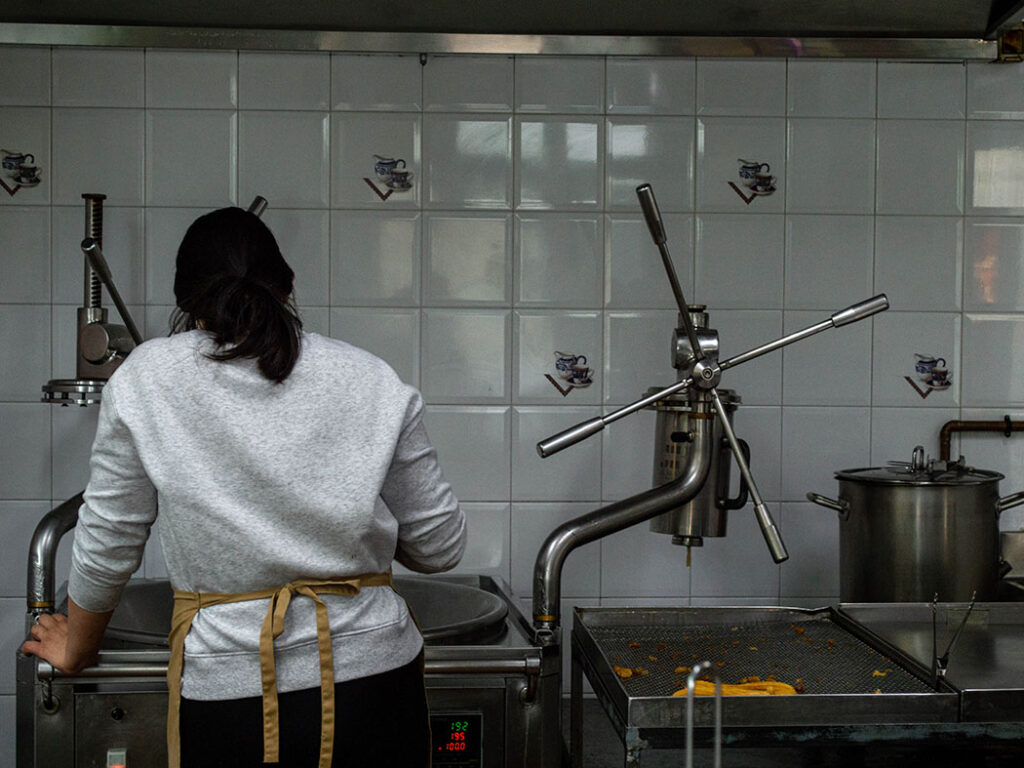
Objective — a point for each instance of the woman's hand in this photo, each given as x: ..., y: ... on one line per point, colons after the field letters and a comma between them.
x: 50, y: 643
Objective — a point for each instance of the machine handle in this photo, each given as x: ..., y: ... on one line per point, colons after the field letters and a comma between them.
x: 741, y: 500
x: 94, y: 254
x: 1009, y: 502
x: 258, y: 205
x: 645, y: 193
x: 859, y: 311
x: 842, y: 507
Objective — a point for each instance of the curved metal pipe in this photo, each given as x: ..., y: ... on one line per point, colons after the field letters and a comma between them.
x: 547, y: 571
x: 1005, y: 426
x: 42, y: 554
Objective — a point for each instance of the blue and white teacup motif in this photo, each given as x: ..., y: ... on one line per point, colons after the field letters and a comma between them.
x: 565, y: 362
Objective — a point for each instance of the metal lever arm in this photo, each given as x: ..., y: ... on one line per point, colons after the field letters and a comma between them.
x: 99, y: 264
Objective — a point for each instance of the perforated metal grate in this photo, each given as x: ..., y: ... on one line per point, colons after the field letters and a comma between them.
x: 815, y: 655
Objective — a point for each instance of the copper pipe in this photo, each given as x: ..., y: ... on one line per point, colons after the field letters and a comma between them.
x: 1005, y: 426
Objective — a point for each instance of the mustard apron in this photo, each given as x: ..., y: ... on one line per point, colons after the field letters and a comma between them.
x: 187, y: 605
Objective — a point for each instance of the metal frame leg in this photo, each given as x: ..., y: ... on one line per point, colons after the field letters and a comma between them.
x: 576, y: 712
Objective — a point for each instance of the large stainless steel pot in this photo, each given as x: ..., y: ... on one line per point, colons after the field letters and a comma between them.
x: 909, y: 532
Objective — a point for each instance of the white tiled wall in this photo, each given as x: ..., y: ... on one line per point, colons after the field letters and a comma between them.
x: 520, y: 241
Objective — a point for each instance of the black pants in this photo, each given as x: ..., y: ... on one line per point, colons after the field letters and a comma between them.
x: 380, y: 721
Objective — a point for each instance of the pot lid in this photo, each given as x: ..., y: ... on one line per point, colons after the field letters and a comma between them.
x: 919, y: 471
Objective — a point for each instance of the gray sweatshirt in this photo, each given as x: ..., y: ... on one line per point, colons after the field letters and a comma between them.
x: 327, y: 474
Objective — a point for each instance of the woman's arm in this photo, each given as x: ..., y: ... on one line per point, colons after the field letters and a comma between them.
x: 70, y: 643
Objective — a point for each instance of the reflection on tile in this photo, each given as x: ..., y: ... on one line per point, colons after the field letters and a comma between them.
x: 478, y: 469
x: 995, y: 168
x: 919, y: 262
x: 559, y: 260
x: 819, y: 441
x: 25, y: 256
x: 921, y: 89
x: 191, y: 160
x: 829, y: 88
x: 829, y: 168
x: 739, y: 261
x: 559, y: 84
x: 280, y: 80
x: 357, y: 141
x: 829, y: 368
x: 994, y: 255
x: 726, y: 144
x: 467, y: 259
x: 468, y: 161
x: 637, y: 353
x: 191, y: 79
x: 994, y: 93
x: 828, y: 261
x: 559, y: 163
x: 391, y: 334
x: 920, y: 167
x: 635, y: 275
x: 376, y: 82
x: 997, y: 375
x: 375, y: 257
x: 571, y: 475
x: 468, y: 83
x: 744, y: 87
x: 655, y: 151
x: 650, y: 86
x: 300, y: 178
x: 464, y: 355
x: 558, y: 357
x: 98, y: 77
x: 531, y: 525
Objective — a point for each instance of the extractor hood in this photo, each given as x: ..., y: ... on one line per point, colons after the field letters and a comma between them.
x: 847, y: 28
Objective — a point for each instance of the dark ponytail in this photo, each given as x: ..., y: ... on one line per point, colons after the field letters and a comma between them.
x: 231, y: 280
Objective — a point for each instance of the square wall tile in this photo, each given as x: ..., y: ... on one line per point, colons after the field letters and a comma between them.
x: 559, y: 163
x: 829, y: 166
x: 652, y: 150
x: 570, y: 475
x: 191, y: 79
x: 25, y: 256
x: 627, y: 455
x: 634, y: 273
x: 279, y: 80
x: 25, y: 75
x: 302, y: 237
x: 920, y: 167
x: 828, y: 261
x: 817, y: 443
x: 558, y: 260
x: 488, y: 540
x: 638, y: 353
x: 25, y: 334
x: 759, y: 381
x: 994, y: 93
x: 358, y: 140
x: 647, y: 86
x: 907, y: 345
x: 468, y: 83
x: 26, y: 461
x: 73, y: 431
x: 467, y: 161
x: 100, y: 150
x: 741, y: 87
x: 467, y: 259
x: 726, y: 144
x: 895, y: 432
x: 464, y: 355
x: 165, y: 229
x: 559, y: 84
x: 639, y: 563
x: 531, y: 525
x: 25, y: 133
x: 376, y: 82
x: 922, y: 89
x: 391, y: 334
x: 991, y: 352
x: 994, y: 269
x: 478, y: 469
x: 714, y: 571
x: 811, y: 534
x: 123, y: 248
x: 830, y: 368
x: 830, y: 88
x: 558, y: 357
x: 375, y: 257
x: 995, y: 168
x: 98, y: 77
x: 191, y: 157
x: 299, y: 178
x: 739, y: 261
x: 919, y: 262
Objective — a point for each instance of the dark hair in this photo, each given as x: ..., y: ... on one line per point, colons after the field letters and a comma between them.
x: 231, y: 279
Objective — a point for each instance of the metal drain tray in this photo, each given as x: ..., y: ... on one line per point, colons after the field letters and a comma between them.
x: 844, y: 679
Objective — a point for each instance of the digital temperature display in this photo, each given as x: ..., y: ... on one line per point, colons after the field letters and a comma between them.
x: 456, y: 740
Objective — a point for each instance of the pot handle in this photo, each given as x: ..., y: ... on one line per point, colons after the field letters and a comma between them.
x: 842, y: 507
x: 1009, y: 502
